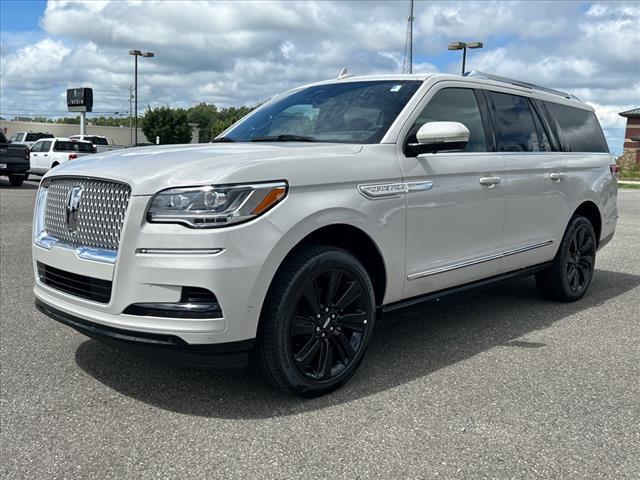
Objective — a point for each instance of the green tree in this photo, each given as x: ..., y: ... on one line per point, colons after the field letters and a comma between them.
x: 227, y: 117
x: 203, y: 114
x: 212, y: 120
x: 172, y: 126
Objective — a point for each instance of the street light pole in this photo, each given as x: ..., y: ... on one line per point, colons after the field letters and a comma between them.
x: 130, y: 112
x: 136, y: 54
x: 463, y: 46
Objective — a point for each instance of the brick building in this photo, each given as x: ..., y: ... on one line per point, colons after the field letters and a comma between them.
x: 631, y: 155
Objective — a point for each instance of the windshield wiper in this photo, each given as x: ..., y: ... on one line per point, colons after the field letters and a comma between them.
x: 222, y: 140
x: 284, y: 138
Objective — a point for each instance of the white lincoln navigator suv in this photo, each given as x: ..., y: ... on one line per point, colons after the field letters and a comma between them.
x: 286, y: 236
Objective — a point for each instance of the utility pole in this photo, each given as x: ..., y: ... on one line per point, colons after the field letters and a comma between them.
x: 407, y: 66
x: 130, y: 117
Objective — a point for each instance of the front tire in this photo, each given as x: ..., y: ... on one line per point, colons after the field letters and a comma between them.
x: 573, y: 266
x: 16, y: 180
x: 316, y: 322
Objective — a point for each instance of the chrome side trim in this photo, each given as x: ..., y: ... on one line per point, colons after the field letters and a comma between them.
x: 419, y: 186
x: 386, y: 190
x: 178, y: 251
x: 382, y: 190
x: 476, y: 261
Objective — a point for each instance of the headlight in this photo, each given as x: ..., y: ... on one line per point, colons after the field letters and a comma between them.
x: 215, y: 206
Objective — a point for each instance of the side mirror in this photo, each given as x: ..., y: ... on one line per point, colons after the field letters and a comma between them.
x: 439, y: 136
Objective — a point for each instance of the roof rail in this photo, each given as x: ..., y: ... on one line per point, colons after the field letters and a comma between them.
x: 497, y: 78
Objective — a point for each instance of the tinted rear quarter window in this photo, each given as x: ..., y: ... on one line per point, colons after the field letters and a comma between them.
x: 73, y: 147
x: 578, y: 129
x: 515, y: 126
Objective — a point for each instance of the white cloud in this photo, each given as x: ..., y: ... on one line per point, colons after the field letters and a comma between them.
x: 235, y: 53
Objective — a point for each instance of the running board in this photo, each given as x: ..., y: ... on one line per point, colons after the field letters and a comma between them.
x: 484, y: 283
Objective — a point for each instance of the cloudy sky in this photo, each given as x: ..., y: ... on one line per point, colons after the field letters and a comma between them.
x: 237, y: 53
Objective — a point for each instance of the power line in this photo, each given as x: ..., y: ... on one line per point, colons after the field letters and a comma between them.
x: 66, y: 112
x: 20, y: 114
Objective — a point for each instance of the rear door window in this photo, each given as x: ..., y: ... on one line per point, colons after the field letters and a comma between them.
x: 578, y: 129
x: 454, y: 105
x: 515, y: 125
x: 83, y: 147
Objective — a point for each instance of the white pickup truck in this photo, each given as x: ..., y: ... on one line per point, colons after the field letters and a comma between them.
x: 100, y: 143
x: 48, y: 153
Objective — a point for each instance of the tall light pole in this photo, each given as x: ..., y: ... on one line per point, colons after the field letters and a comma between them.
x: 130, y: 112
x: 136, y: 54
x: 463, y: 46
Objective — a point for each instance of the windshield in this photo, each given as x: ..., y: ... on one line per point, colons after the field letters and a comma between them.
x: 350, y: 112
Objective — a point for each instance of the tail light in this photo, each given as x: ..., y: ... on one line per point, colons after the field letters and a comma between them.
x: 95, y: 149
x: 615, y: 169
x: 73, y: 156
x: 27, y: 154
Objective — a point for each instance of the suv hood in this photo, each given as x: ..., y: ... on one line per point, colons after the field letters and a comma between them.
x: 151, y: 169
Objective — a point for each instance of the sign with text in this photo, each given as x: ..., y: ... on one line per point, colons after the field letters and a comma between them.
x: 80, y: 99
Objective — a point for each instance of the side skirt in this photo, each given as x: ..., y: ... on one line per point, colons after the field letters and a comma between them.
x: 479, y: 284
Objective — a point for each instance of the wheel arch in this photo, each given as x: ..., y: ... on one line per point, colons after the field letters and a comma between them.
x: 355, y: 241
x: 591, y: 211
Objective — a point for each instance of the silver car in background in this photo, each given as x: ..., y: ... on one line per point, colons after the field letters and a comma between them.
x: 287, y: 236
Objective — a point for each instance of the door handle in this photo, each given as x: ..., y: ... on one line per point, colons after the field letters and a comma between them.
x: 556, y: 177
x: 46, y: 154
x: 489, y: 181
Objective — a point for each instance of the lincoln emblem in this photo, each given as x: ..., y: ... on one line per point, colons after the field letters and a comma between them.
x: 73, y: 204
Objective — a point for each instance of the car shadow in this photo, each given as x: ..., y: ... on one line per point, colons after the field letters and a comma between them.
x: 406, y: 345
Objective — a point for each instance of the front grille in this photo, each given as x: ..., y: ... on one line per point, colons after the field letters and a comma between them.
x: 82, y: 286
x: 100, y: 215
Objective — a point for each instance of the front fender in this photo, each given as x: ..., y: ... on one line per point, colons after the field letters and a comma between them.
x: 385, y: 235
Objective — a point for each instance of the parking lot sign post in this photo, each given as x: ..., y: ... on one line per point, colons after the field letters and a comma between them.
x: 80, y: 100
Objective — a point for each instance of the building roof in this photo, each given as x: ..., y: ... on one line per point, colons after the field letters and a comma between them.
x: 631, y: 113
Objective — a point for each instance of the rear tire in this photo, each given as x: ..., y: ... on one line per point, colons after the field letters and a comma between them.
x: 316, y: 322
x: 569, y: 277
x: 16, y: 180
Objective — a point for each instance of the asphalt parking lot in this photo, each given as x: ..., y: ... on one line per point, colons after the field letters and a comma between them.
x: 491, y: 384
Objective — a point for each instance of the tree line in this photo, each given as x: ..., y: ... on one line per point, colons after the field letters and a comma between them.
x: 172, y: 124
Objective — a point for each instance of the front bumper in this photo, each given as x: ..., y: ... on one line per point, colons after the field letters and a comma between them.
x: 154, y: 262
x: 164, y: 347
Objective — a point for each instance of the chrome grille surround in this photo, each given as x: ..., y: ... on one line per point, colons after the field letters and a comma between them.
x: 101, y: 212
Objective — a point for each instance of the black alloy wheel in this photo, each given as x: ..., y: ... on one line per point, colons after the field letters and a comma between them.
x: 580, y: 259
x: 330, y: 323
x: 316, y: 321
x: 568, y: 279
